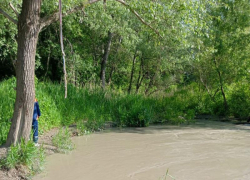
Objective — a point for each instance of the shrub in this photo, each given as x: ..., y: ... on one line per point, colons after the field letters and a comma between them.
x: 239, y: 104
x: 132, y: 111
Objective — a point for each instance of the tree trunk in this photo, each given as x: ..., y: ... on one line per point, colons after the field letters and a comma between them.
x: 221, y: 88
x: 111, y: 74
x: 132, y: 74
x: 223, y: 93
x: 151, y: 82
x: 28, y: 30
x: 140, y: 77
x: 105, y: 59
x: 47, y: 68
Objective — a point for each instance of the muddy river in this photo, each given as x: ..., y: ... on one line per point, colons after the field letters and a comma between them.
x: 203, y: 151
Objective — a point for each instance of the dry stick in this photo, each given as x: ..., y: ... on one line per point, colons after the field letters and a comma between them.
x: 14, y: 9
x: 63, y: 54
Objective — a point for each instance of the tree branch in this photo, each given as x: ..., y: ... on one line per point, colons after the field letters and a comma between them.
x: 139, y: 17
x: 47, y: 20
x: 14, y: 9
x: 8, y: 16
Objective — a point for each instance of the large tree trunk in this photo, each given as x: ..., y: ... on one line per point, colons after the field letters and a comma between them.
x: 105, y: 59
x: 28, y: 30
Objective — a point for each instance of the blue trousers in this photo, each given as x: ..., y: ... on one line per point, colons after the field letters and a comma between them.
x: 35, y: 131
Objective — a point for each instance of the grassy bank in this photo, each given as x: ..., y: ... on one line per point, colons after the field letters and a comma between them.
x: 90, y: 109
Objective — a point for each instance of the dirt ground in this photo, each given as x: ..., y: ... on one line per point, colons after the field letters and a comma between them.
x: 20, y: 172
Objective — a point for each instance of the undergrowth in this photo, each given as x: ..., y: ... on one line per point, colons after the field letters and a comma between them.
x: 24, y: 154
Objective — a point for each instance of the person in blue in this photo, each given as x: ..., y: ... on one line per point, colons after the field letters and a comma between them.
x: 36, y: 115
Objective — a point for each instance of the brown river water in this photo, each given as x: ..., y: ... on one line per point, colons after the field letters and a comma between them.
x: 203, y: 151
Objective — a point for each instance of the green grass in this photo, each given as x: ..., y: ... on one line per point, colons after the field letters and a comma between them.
x: 24, y: 154
x: 7, y: 99
x: 62, y: 140
x: 95, y: 107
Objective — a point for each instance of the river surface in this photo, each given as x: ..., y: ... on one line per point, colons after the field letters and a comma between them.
x: 203, y: 151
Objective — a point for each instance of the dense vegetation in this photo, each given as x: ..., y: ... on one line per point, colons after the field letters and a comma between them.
x: 91, y: 108
x: 194, y: 61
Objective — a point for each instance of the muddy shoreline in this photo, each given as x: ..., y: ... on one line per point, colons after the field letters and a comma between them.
x: 21, y: 172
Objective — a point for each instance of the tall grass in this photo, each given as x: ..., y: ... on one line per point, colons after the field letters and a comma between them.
x: 24, y: 154
x: 7, y: 99
x: 95, y: 107
x: 63, y: 141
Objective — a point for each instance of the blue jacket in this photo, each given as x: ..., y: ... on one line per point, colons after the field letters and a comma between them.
x: 36, y: 112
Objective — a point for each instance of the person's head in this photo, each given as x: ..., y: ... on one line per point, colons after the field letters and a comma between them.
x: 35, y: 100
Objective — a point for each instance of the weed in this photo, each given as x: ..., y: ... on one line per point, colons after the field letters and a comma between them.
x: 62, y: 140
x: 166, y: 175
x: 24, y: 154
x: 82, y: 129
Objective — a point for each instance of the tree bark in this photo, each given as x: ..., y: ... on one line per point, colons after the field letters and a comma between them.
x: 105, y: 59
x: 132, y: 74
x: 222, y: 92
x: 47, y: 68
x: 140, y: 77
x: 221, y: 87
x: 28, y: 30
x: 150, y: 84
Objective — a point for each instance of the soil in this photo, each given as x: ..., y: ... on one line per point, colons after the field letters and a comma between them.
x: 21, y: 172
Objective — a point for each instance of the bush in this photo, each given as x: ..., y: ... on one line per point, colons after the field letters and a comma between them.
x: 239, y: 104
x: 132, y: 111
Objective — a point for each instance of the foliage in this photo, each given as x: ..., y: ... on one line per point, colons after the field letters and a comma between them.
x: 24, y: 154
x: 82, y: 129
x: 90, y: 109
x: 132, y: 111
x: 7, y: 99
x: 203, y: 53
x: 239, y: 102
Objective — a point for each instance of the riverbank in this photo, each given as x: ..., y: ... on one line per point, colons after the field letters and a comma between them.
x: 21, y: 172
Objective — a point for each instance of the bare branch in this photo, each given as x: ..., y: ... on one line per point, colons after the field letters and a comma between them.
x: 14, y: 9
x: 139, y: 17
x: 8, y: 16
x: 47, y: 20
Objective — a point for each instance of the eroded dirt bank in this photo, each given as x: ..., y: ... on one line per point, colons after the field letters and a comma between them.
x: 204, y: 151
